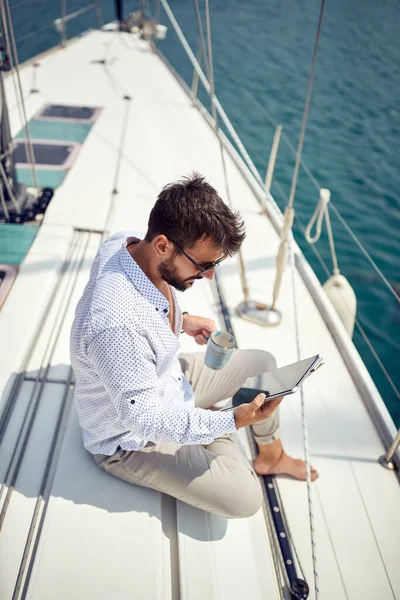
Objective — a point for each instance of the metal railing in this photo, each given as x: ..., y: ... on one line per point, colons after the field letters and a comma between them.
x: 61, y: 23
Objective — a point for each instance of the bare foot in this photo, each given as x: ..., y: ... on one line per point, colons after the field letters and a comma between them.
x: 295, y: 467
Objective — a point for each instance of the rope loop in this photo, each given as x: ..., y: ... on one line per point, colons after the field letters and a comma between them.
x: 319, y: 213
x: 318, y: 216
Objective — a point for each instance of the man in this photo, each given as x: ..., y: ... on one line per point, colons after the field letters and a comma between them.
x: 134, y: 396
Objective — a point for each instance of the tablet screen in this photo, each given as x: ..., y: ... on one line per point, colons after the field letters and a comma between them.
x: 274, y: 383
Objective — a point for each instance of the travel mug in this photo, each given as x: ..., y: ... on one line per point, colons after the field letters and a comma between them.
x: 220, y: 346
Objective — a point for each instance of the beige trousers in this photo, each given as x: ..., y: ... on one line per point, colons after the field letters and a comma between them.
x: 217, y: 478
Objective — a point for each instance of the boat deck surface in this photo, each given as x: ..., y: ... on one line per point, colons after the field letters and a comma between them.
x: 70, y: 530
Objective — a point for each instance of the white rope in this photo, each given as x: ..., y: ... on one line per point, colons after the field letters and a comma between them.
x: 335, y: 210
x: 281, y: 262
x: 281, y: 257
x: 320, y: 212
x: 304, y: 425
x: 357, y: 322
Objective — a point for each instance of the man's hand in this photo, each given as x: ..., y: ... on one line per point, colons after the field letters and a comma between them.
x: 198, y: 327
x: 256, y: 411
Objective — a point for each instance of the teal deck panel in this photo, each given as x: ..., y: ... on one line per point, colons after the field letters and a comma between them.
x: 60, y: 131
x: 15, y: 241
x: 46, y: 177
x: 57, y: 130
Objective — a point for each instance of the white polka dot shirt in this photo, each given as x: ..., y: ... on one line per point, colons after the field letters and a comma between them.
x: 130, y: 388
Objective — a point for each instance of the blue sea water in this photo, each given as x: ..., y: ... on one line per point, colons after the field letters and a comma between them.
x: 352, y: 140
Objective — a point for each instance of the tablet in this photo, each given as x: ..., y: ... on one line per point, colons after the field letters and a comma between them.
x: 280, y: 382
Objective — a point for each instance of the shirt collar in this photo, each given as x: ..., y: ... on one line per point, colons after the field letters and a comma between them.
x: 140, y: 280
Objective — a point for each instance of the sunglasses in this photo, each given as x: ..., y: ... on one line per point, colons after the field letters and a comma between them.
x: 203, y: 268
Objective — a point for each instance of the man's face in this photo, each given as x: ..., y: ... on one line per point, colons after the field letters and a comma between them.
x: 181, y: 273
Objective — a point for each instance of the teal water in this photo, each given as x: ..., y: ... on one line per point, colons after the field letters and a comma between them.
x: 352, y: 139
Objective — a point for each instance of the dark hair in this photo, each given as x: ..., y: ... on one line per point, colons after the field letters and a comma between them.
x: 189, y: 210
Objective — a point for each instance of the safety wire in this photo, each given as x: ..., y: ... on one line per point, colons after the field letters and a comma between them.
x: 325, y: 268
x: 362, y: 332
x: 358, y: 325
x: 332, y: 205
x: 304, y: 422
x: 306, y: 231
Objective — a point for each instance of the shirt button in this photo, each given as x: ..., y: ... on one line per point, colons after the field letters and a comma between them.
x: 133, y: 401
x: 179, y: 378
x: 165, y: 310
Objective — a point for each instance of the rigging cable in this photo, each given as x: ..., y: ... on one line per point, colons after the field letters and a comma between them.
x: 335, y: 210
x: 114, y: 192
x: 9, y: 35
x: 202, y: 52
x: 287, y: 244
x: 8, y: 152
x: 306, y: 109
x: 270, y: 526
x: 357, y: 322
x: 206, y: 84
x: 242, y: 271
x: 289, y: 210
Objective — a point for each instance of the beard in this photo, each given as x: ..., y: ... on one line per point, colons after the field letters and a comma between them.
x: 168, y: 272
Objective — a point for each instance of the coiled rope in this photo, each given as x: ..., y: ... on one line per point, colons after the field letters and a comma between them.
x: 320, y: 212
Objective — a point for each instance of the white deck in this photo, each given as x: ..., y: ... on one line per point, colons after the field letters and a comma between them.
x: 98, y: 537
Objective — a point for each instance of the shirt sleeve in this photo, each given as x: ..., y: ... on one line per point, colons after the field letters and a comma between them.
x: 125, y: 364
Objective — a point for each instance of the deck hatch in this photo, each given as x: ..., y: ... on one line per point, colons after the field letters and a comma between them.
x: 51, y: 155
x: 72, y: 114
